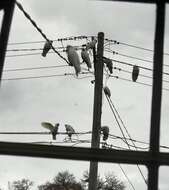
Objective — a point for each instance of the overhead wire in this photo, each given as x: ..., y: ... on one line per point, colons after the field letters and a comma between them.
x: 82, y: 37
x: 38, y: 29
x: 129, y: 64
x: 142, y: 83
x: 42, y: 76
x: 132, y: 46
x: 146, y: 76
x: 114, y: 111
x: 35, y: 68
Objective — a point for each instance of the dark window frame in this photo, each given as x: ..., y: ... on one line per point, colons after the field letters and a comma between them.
x: 152, y: 158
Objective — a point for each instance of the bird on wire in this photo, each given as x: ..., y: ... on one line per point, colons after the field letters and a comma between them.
x: 51, y: 128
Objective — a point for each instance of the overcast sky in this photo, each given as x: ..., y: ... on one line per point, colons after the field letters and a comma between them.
x: 68, y: 100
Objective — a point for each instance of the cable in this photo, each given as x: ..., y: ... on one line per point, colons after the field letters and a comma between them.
x: 133, y: 46
x: 126, y: 177
x: 42, y: 76
x: 114, y: 110
x: 59, y: 39
x: 126, y: 71
x: 27, y: 54
x: 116, y: 119
x: 35, y: 49
x: 34, y: 68
x: 38, y: 29
x: 129, y: 64
x: 42, y: 133
x: 145, y: 84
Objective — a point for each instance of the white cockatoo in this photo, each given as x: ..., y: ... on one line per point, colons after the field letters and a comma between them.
x: 69, y: 129
x: 91, y: 45
x: 47, y: 47
x: 53, y: 129
x: 73, y: 58
x: 108, y: 63
x: 86, y: 58
x: 107, y: 91
x: 135, y: 73
x: 105, y: 131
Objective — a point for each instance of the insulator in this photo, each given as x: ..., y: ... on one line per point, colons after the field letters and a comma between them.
x: 86, y: 58
x: 135, y: 73
x: 73, y: 58
x: 107, y: 91
x: 47, y: 47
x: 105, y: 131
x: 108, y: 63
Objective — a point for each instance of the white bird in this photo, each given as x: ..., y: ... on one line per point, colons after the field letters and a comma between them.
x: 91, y: 45
x: 108, y: 63
x: 73, y: 58
x: 105, y: 131
x: 135, y: 73
x: 86, y: 58
x: 69, y: 129
x: 53, y: 129
x: 107, y: 91
x: 47, y: 47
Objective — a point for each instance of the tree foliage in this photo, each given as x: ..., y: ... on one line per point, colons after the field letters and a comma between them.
x: 109, y: 182
x: 23, y: 184
x: 62, y: 181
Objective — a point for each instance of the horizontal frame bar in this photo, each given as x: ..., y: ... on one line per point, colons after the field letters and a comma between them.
x: 83, y: 154
x: 137, y: 1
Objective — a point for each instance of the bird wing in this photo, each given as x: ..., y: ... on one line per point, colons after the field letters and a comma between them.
x: 47, y: 125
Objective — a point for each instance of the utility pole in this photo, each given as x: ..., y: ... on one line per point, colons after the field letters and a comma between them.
x: 97, y: 110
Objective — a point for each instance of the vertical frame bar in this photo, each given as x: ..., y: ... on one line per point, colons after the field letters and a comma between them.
x: 6, y: 23
x: 156, y: 94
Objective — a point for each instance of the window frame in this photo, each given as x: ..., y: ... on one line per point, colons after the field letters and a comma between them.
x: 153, y: 158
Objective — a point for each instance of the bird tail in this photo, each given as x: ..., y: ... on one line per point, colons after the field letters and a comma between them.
x: 44, y: 54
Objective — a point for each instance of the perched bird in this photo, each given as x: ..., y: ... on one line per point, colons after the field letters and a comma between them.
x: 47, y: 47
x: 107, y: 91
x: 105, y: 131
x: 86, y: 58
x: 73, y: 58
x: 135, y: 73
x: 108, y: 63
x: 69, y: 129
x: 91, y: 45
x: 53, y: 129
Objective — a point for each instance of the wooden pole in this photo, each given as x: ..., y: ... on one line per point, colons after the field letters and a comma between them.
x: 97, y: 110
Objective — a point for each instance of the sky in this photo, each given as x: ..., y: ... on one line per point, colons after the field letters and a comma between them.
x: 69, y: 100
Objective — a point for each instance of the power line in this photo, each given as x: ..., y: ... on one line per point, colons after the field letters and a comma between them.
x: 129, y: 64
x: 116, y: 119
x: 133, y: 46
x: 126, y: 176
x: 28, y: 54
x: 34, y: 68
x: 82, y: 37
x: 137, y: 141
x: 132, y: 57
x: 128, y: 80
x: 45, y: 76
x: 35, y: 49
x: 38, y: 29
x: 42, y: 133
x: 114, y: 111
x: 146, y: 76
